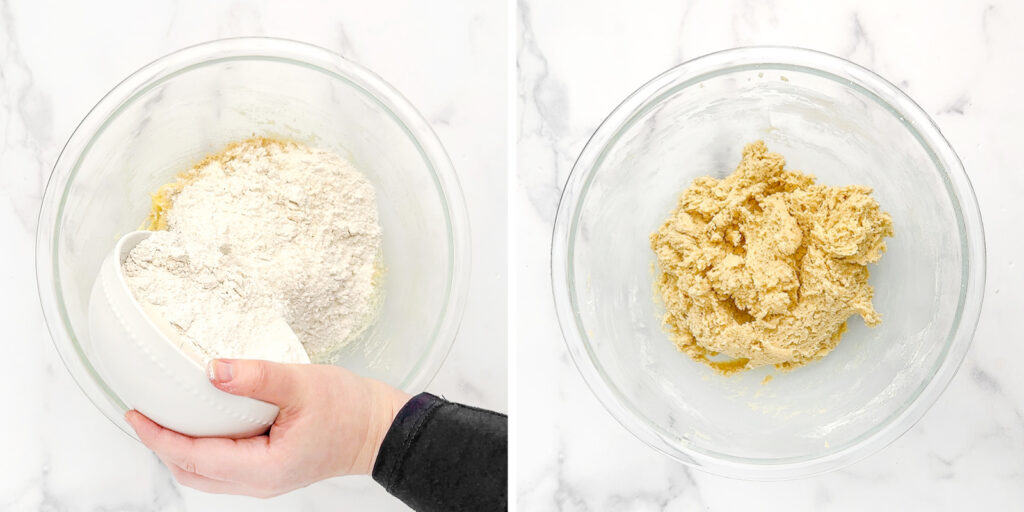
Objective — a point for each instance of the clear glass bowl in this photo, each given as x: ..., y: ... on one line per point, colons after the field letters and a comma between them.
x: 830, y: 118
x: 168, y: 115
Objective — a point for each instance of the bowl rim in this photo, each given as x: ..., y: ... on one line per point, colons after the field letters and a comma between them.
x: 774, y: 58
x: 285, y: 51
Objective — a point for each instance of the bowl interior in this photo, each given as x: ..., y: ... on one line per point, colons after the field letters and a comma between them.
x: 169, y: 124
x: 822, y: 126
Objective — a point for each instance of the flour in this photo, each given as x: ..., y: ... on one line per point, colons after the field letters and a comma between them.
x: 212, y: 306
x: 266, y: 230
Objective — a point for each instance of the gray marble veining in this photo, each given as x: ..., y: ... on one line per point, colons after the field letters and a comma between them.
x: 957, y: 61
x: 57, y: 60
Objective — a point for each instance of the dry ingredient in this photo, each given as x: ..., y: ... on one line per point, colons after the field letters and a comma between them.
x: 293, y: 230
x: 211, y: 306
x: 765, y: 266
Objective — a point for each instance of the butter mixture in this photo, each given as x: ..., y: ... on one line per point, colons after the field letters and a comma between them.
x: 765, y: 266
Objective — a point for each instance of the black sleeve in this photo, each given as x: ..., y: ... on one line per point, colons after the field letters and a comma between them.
x: 440, y: 455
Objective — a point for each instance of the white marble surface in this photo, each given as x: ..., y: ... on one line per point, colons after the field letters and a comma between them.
x: 960, y: 60
x: 58, y: 58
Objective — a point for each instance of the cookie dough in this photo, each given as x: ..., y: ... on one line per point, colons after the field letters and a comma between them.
x: 765, y: 266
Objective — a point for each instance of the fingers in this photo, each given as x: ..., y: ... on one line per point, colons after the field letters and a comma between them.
x: 216, y: 458
x: 213, y: 486
x: 263, y: 380
x: 203, y: 483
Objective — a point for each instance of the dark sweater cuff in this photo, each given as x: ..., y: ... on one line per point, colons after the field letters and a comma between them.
x: 439, y: 455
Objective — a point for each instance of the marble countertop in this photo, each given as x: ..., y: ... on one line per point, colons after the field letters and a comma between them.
x: 58, y: 58
x: 576, y: 61
x: 960, y: 60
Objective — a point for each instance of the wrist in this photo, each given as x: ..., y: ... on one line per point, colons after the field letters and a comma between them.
x: 388, y: 401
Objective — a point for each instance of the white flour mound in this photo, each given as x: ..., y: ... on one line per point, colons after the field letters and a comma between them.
x: 212, y: 307
x: 300, y: 228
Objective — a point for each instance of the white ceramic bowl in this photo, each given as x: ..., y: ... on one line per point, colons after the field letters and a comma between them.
x: 154, y: 375
x: 169, y: 114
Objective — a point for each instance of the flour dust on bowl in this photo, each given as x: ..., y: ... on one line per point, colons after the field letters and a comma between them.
x: 169, y: 115
x: 830, y: 118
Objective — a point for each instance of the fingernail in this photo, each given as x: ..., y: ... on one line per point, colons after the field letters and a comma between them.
x: 220, y: 371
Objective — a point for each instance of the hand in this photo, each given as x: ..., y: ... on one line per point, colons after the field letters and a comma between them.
x: 331, y: 423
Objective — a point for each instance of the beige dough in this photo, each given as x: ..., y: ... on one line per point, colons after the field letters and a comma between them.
x: 765, y: 266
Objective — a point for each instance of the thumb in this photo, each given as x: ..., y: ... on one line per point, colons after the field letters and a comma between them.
x: 263, y: 380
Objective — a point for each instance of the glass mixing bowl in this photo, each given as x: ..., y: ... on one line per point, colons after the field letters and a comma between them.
x: 168, y: 115
x: 830, y: 118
